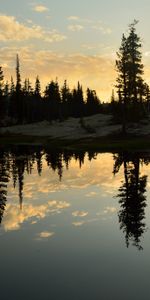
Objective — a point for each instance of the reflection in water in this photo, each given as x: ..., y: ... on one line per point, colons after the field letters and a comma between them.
x: 4, y: 178
x: 131, y: 197
x: 16, y: 161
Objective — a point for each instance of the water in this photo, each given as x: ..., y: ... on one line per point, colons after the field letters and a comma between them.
x: 74, y: 225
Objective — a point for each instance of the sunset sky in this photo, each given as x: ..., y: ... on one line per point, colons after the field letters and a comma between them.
x: 73, y: 40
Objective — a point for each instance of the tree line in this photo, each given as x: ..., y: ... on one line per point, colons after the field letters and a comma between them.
x: 21, y: 103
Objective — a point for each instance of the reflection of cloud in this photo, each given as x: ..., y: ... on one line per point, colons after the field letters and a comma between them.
x: 95, y: 176
x: 12, y: 30
x: 107, y: 210
x: 78, y: 224
x: 14, y: 217
x: 45, y: 234
x: 91, y: 194
x: 58, y: 204
x: 80, y: 213
x: 40, y: 8
x: 110, y: 210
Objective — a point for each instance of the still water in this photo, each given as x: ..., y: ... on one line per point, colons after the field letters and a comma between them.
x: 74, y: 225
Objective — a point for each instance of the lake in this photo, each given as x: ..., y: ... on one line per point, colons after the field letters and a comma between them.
x: 74, y: 225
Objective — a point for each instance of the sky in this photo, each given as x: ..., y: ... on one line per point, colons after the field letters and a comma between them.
x: 73, y: 40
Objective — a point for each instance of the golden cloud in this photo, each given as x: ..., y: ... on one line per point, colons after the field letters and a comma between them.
x: 12, y: 30
x: 96, y: 72
x: 73, y: 18
x: 40, y: 8
x: 102, y: 29
x: 76, y: 27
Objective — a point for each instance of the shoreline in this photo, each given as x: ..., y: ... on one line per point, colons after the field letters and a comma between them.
x: 97, y: 132
x: 104, y: 144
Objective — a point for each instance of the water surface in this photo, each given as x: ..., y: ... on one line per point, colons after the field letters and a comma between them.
x: 74, y: 225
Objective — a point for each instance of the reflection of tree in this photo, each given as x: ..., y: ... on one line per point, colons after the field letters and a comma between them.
x: 16, y: 161
x: 4, y: 179
x: 132, y: 198
x: 54, y: 161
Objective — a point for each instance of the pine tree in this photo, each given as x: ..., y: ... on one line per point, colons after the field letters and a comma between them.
x: 78, y: 101
x: 53, y: 100
x: 1, y: 81
x: 19, y: 98
x: 18, y: 77
x: 65, y: 99
x: 2, y: 104
x: 130, y: 84
x: 92, y: 102
x: 37, y: 91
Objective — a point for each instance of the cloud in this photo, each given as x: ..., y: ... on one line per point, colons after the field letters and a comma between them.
x: 75, y: 27
x: 94, y: 71
x: 102, y: 29
x: 147, y: 53
x: 80, y: 214
x: 73, y: 18
x: 13, y: 30
x: 40, y: 8
x: 90, y: 24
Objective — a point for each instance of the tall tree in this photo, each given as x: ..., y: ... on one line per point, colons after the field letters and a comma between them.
x: 66, y: 99
x: 130, y: 84
x: 37, y: 90
x: 53, y: 100
x: 1, y: 81
x: 1, y: 94
x: 19, y: 99
x: 18, y: 76
x: 78, y: 101
x: 92, y: 102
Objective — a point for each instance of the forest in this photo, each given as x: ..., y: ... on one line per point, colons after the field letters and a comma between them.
x: 20, y: 103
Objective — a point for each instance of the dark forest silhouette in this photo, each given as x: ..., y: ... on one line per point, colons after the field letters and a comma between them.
x: 20, y: 103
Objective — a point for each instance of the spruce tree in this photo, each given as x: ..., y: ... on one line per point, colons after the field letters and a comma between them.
x: 130, y: 84
x: 37, y: 91
x: 18, y: 77
x: 1, y: 81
